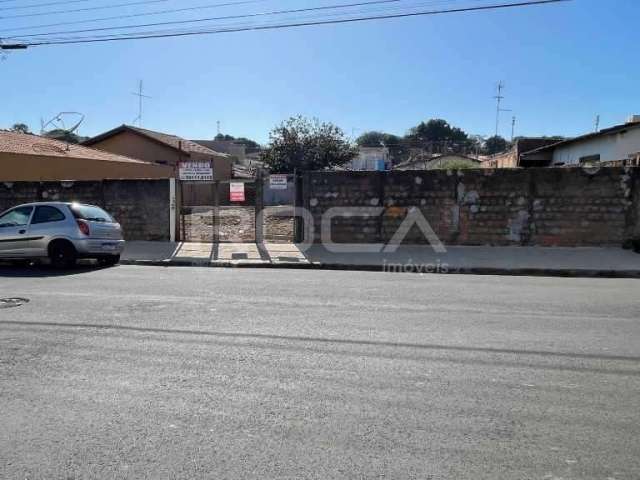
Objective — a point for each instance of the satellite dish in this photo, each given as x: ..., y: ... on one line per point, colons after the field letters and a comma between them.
x: 59, y: 122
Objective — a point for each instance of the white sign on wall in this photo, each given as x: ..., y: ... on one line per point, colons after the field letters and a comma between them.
x: 196, y: 171
x: 278, y: 182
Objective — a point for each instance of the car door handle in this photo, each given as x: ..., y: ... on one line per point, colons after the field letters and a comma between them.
x: 22, y: 231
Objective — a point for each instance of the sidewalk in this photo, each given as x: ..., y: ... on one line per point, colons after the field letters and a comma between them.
x: 549, y: 261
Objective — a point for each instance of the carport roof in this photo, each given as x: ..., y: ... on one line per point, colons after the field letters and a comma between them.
x: 28, y: 144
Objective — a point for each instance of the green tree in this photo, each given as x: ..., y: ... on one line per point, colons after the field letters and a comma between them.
x: 251, y: 145
x: 398, y: 151
x: 304, y: 144
x: 495, y: 144
x: 20, y: 128
x: 436, y: 134
x: 65, y: 136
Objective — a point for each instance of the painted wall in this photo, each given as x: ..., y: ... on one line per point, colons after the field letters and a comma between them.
x: 16, y: 167
x: 611, y: 147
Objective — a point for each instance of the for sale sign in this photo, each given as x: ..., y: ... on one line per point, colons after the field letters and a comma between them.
x: 278, y: 182
x: 196, y: 172
x: 236, y: 192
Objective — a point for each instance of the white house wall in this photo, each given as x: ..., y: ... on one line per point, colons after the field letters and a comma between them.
x: 610, y: 147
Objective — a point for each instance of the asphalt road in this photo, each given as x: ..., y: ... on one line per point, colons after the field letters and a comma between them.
x: 143, y: 372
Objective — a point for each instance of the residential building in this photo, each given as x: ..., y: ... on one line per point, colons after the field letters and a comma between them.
x: 162, y: 148
x: 371, y: 159
x: 27, y: 157
x: 513, y: 158
x: 617, y: 145
x: 230, y: 147
x: 165, y: 149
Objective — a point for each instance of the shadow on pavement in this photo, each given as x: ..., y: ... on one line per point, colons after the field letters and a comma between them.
x: 497, y: 357
x: 41, y: 270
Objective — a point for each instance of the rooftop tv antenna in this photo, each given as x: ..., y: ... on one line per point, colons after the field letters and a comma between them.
x: 141, y: 98
x: 499, y: 97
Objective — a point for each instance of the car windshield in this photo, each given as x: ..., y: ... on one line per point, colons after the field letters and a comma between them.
x: 90, y: 213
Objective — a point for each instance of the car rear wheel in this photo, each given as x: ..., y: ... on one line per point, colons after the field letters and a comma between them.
x: 62, y: 255
x: 109, y: 261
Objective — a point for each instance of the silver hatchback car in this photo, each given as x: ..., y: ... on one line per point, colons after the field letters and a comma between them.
x: 62, y: 232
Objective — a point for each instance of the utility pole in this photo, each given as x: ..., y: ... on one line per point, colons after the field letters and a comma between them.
x: 597, y: 123
x: 513, y: 127
x: 141, y: 97
x: 499, y: 97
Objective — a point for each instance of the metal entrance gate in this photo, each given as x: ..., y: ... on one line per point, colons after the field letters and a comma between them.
x: 209, y: 213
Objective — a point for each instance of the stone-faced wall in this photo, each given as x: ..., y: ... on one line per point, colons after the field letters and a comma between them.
x: 140, y: 206
x: 545, y: 206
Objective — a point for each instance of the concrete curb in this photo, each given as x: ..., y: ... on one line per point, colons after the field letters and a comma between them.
x: 536, y: 272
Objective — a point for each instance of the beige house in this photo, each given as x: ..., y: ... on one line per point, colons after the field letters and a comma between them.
x: 27, y: 157
x: 160, y: 148
x: 171, y: 150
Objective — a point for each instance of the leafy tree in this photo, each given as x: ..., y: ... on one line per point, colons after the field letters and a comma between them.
x: 251, y: 145
x: 398, y: 150
x: 222, y: 137
x: 20, y: 128
x: 495, y: 144
x: 436, y: 133
x: 377, y: 139
x: 65, y: 136
x: 304, y: 144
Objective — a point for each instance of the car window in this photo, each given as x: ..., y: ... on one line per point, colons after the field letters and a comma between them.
x: 16, y: 217
x: 90, y: 213
x: 46, y: 214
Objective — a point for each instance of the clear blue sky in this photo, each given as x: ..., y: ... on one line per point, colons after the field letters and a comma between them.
x: 562, y: 64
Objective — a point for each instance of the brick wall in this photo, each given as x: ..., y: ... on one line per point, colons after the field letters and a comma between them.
x: 140, y: 206
x: 546, y: 206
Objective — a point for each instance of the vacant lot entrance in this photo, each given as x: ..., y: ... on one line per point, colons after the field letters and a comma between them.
x: 238, y: 211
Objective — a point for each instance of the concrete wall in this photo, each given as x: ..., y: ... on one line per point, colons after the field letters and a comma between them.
x: 16, y: 167
x: 610, y: 148
x: 547, y: 206
x: 140, y: 206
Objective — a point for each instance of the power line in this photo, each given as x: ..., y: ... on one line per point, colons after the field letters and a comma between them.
x: 143, y: 35
x: 133, y: 15
x: 39, y: 5
x: 87, y: 9
x: 226, y: 17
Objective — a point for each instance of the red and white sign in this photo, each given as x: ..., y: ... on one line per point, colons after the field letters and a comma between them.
x: 236, y: 192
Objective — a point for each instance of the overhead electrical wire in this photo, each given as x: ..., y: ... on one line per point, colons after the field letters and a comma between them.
x: 134, y: 15
x: 148, y: 35
x: 383, y: 6
x: 225, y: 17
x: 86, y: 9
x: 40, y: 5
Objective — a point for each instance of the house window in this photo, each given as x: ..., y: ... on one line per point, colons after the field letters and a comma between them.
x: 589, y: 159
